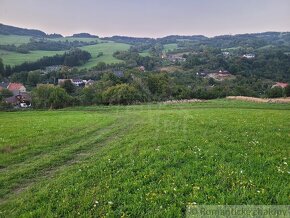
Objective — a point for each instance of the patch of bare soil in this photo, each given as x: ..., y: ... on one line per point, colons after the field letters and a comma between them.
x: 261, y: 100
x: 183, y: 101
x: 171, y: 69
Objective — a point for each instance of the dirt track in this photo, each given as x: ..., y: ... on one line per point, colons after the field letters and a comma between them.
x: 183, y: 101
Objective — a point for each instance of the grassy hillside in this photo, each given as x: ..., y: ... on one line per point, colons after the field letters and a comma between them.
x: 108, y: 50
x: 14, y: 58
x: 71, y: 39
x: 168, y: 47
x: 18, y: 40
x: 151, y: 160
x: 13, y: 39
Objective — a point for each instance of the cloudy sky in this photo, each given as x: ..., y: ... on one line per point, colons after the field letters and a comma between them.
x: 153, y: 18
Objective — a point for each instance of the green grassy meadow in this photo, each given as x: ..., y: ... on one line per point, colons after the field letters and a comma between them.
x: 169, y: 47
x: 146, y: 160
x: 13, y: 39
x: 14, y: 58
x: 107, y: 47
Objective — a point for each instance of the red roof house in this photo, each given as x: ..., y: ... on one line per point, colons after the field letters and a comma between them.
x: 281, y: 85
x: 16, y: 88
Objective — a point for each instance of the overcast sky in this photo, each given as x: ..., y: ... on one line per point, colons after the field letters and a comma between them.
x: 153, y: 18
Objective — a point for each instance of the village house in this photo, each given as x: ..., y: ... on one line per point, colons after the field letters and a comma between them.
x: 226, y: 54
x: 76, y: 82
x: 217, y: 75
x: 20, y: 97
x: 249, y: 56
x: 142, y: 68
x: 16, y: 88
x: 281, y: 85
x: 89, y: 83
x: 22, y: 100
x: 61, y: 81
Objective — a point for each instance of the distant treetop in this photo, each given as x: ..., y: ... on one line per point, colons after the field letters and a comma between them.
x: 11, y: 30
x: 84, y: 35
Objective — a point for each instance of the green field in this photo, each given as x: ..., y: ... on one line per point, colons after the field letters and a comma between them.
x: 108, y: 48
x: 14, y: 58
x: 168, y: 47
x: 145, y: 53
x: 137, y: 161
x: 13, y: 39
x: 71, y: 39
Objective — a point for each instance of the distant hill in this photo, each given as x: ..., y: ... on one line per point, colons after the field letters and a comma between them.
x: 84, y: 35
x: 54, y: 36
x: 11, y: 30
x: 231, y: 40
x: 129, y: 40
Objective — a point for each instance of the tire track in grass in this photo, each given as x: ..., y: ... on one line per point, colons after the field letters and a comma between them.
x: 50, y: 169
x: 36, y: 151
x: 26, y: 171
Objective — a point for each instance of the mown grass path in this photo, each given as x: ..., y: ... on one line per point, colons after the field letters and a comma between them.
x: 21, y: 168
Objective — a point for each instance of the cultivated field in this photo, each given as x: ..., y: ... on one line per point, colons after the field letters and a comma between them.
x: 149, y: 160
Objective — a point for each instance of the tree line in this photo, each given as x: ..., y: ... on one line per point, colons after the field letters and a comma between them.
x: 135, y: 87
x: 45, y: 45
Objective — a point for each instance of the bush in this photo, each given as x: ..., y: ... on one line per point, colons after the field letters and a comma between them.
x: 287, y: 91
x: 68, y: 86
x: 5, y: 106
x: 275, y: 92
x: 47, y: 96
x: 121, y: 94
x: 5, y: 93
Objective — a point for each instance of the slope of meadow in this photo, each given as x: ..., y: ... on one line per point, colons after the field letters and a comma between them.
x: 14, y: 58
x: 107, y: 48
x: 13, y: 39
x: 151, y: 160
